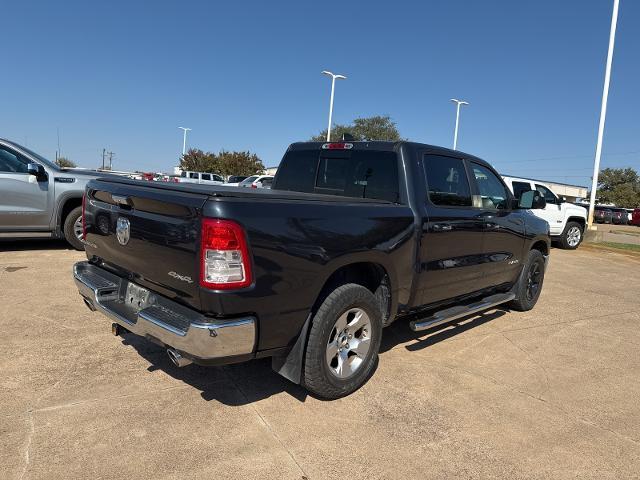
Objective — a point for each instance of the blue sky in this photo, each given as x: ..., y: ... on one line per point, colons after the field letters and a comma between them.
x: 246, y: 76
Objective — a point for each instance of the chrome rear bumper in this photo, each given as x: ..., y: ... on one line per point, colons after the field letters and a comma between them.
x: 163, y: 320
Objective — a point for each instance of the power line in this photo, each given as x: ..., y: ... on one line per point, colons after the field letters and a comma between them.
x: 570, y: 157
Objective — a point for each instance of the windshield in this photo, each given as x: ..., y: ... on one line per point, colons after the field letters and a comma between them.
x: 40, y: 158
x: 248, y: 180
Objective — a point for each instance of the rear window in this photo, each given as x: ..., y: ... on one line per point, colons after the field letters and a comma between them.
x: 357, y: 173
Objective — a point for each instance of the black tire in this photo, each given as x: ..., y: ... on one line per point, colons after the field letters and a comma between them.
x: 525, y: 297
x: 69, y: 227
x: 319, y: 376
x: 568, y: 239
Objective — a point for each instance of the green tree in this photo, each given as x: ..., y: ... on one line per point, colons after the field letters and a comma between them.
x: 223, y: 163
x: 620, y: 186
x: 239, y: 163
x: 379, y: 127
x: 64, y: 162
x: 198, y: 161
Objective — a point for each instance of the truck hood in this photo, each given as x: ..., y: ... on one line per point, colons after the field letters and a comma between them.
x: 575, y: 210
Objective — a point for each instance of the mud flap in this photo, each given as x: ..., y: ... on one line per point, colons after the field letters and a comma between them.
x: 290, y: 367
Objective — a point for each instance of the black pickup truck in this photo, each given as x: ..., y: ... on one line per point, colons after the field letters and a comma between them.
x: 352, y: 236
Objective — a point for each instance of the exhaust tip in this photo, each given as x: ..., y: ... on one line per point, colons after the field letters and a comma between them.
x: 177, y: 359
x: 89, y: 304
x: 118, y: 330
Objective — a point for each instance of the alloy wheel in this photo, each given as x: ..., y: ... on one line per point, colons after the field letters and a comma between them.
x: 573, y: 236
x: 77, y: 229
x: 349, y: 343
x: 534, y: 279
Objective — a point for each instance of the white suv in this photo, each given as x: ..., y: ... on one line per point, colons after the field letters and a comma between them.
x: 201, y: 177
x: 566, y: 221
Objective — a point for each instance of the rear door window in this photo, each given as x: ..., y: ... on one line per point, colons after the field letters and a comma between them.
x: 447, y: 181
x: 206, y: 176
x: 548, y: 195
x: 193, y: 175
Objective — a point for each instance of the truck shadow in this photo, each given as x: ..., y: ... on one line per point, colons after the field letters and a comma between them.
x: 233, y: 385
x: 245, y: 383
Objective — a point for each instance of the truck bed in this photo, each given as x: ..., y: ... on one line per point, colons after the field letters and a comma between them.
x: 240, y: 192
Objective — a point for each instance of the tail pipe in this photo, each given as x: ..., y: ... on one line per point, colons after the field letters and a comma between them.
x: 177, y: 359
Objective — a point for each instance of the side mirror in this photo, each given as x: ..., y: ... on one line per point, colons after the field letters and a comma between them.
x: 532, y: 200
x: 36, y: 170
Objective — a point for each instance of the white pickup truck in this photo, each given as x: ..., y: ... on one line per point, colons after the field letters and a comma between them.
x: 566, y: 221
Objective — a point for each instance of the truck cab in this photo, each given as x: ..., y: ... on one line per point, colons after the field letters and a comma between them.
x: 567, y: 222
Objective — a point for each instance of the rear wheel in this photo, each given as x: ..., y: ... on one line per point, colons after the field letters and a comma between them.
x: 72, y: 228
x: 572, y: 236
x: 530, y: 282
x: 343, y: 344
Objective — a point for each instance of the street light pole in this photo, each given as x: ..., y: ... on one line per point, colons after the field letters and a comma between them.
x: 603, y: 112
x: 455, y: 132
x: 333, y: 86
x: 184, y: 139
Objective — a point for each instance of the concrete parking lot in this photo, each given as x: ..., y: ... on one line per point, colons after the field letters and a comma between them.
x: 552, y: 393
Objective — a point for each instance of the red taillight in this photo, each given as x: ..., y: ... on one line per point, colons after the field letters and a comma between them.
x: 224, y: 255
x: 84, y: 221
x: 337, y: 146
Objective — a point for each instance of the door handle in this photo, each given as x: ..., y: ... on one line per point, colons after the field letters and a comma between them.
x: 441, y: 227
x: 121, y: 199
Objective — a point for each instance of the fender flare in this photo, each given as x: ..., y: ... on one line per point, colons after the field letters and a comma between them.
x: 64, y: 198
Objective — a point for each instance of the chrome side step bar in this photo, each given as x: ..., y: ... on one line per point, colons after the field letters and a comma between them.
x: 459, y: 311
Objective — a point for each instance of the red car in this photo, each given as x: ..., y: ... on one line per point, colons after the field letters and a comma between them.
x: 635, y: 217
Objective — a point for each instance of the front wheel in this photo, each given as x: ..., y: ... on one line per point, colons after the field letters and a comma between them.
x: 529, y: 283
x: 572, y: 236
x: 72, y: 228
x: 343, y: 344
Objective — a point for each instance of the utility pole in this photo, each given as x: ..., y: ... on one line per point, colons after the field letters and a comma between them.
x: 104, y: 152
x: 110, y: 160
x: 603, y: 113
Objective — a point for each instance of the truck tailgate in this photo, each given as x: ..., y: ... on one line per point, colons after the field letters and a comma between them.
x: 147, y: 234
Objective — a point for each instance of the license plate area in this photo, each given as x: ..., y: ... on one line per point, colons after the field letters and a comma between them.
x: 136, y: 297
